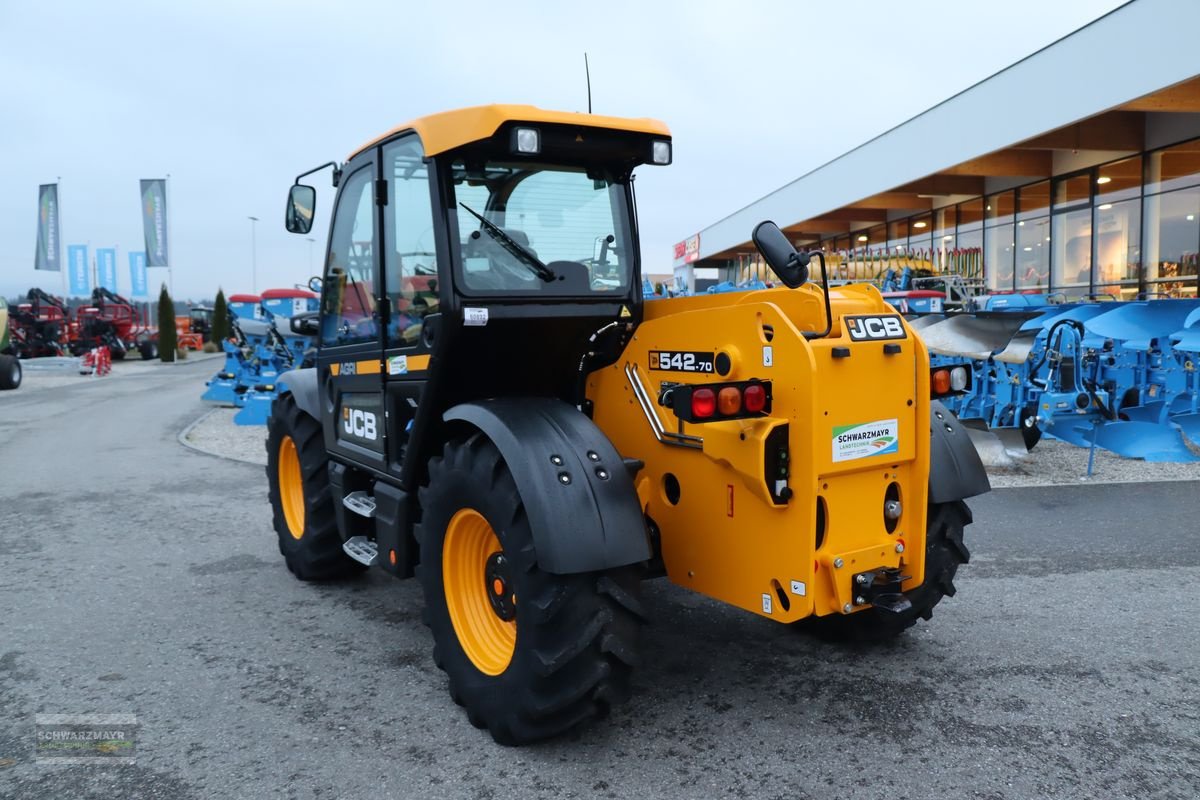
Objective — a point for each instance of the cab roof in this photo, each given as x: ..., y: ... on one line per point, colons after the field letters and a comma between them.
x: 451, y: 129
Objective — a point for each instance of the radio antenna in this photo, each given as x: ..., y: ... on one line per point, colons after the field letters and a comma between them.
x: 588, y: 73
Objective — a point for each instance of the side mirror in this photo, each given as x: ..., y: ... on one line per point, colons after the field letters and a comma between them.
x: 790, y: 266
x: 314, y: 284
x: 305, y: 324
x: 302, y: 202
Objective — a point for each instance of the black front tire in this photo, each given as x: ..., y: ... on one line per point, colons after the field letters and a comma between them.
x: 944, y: 553
x: 313, y: 552
x: 576, y: 640
x: 10, y: 372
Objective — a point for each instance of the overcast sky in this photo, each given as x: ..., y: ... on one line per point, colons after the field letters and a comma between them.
x: 233, y: 99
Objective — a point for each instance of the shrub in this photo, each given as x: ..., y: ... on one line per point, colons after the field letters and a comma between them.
x: 220, y: 322
x: 167, y: 340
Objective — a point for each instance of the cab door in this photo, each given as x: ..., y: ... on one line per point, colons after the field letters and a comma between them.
x: 348, y: 367
x: 413, y: 291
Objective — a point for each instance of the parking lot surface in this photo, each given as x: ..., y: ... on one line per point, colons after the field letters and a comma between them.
x: 141, y: 577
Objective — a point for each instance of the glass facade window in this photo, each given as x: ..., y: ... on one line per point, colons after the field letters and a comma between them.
x: 1071, y: 237
x: 920, y: 241
x: 998, y: 240
x: 1119, y: 180
x: 1175, y: 167
x: 1035, y: 200
x: 898, y: 236
x: 967, y: 257
x: 970, y: 214
x: 1172, y: 239
x: 1119, y: 228
x: 1033, y: 254
x: 943, y: 239
x: 999, y: 207
x: 1116, y: 248
x: 1073, y: 191
x: 998, y: 256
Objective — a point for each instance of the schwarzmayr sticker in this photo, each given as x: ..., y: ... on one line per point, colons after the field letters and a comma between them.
x: 865, y: 440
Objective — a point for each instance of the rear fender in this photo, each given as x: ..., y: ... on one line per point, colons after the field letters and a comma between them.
x: 590, y: 519
x: 955, y: 470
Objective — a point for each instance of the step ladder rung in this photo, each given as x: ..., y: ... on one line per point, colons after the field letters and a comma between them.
x: 361, y: 549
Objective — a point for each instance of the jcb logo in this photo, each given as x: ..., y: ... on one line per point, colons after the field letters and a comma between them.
x: 874, y: 328
x: 359, y: 423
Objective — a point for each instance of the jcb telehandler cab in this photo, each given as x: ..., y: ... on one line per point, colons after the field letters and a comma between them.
x: 495, y: 410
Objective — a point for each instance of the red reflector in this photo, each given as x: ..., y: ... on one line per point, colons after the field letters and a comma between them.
x: 704, y: 403
x: 940, y: 382
x: 729, y: 401
x: 755, y: 398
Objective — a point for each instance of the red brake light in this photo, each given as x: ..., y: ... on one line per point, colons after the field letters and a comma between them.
x: 704, y: 403
x: 755, y: 398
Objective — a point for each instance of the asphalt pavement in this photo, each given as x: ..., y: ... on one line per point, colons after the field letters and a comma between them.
x: 139, y: 577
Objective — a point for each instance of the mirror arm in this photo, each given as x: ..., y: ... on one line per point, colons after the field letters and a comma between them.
x: 828, y: 311
x: 337, y: 172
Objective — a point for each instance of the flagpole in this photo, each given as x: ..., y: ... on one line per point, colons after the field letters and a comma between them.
x: 170, y: 260
x: 58, y: 210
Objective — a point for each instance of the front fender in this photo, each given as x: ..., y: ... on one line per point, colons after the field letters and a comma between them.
x: 590, y: 519
x: 955, y: 470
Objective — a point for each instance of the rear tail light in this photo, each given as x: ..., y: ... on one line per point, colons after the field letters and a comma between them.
x: 958, y: 379
x: 729, y: 401
x: 940, y: 383
x: 704, y: 403
x: 949, y: 380
x: 718, y: 401
x: 754, y: 398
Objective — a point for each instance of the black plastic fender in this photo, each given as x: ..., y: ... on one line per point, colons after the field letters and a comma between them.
x: 302, y: 383
x: 955, y: 471
x: 580, y: 498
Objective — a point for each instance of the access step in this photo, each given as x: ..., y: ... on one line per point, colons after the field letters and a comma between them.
x: 360, y: 503
x: 361, y: 549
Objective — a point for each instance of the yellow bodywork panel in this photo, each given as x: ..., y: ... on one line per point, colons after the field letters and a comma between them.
x: 857, y: 422
x: 451, y: 129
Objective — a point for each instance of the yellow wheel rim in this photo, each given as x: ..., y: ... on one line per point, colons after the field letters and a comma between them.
x: 480, y: 598
x: 291, y: 487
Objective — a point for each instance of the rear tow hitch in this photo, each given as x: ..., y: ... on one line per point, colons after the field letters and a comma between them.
x: 881, y: 588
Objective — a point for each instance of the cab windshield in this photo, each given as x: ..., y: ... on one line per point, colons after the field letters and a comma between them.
x: 527, y: 228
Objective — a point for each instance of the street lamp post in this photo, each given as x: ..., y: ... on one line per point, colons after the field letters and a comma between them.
x: 311, y: 242
x: 253, y: 255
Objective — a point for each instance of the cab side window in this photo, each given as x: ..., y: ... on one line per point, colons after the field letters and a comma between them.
x: 411, y: 276
x: 348, y: 304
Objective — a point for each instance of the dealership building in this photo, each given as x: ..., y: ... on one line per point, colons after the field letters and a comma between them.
x: 1075, y: 171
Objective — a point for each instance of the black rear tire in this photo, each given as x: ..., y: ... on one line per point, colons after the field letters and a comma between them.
x: 944, y: 553
x: 309, y: 538
x: 10, y: 372
x: 576, y: 635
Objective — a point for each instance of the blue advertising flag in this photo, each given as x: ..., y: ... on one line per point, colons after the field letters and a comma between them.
x: 78, y: 274
x: 106, y: 268
x: 137, y: 275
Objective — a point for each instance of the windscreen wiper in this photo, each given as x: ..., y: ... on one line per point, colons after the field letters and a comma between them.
x: 513, y: 247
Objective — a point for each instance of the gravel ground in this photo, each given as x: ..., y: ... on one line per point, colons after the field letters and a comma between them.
x: 216, y: 434
x: 1052, y: 463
